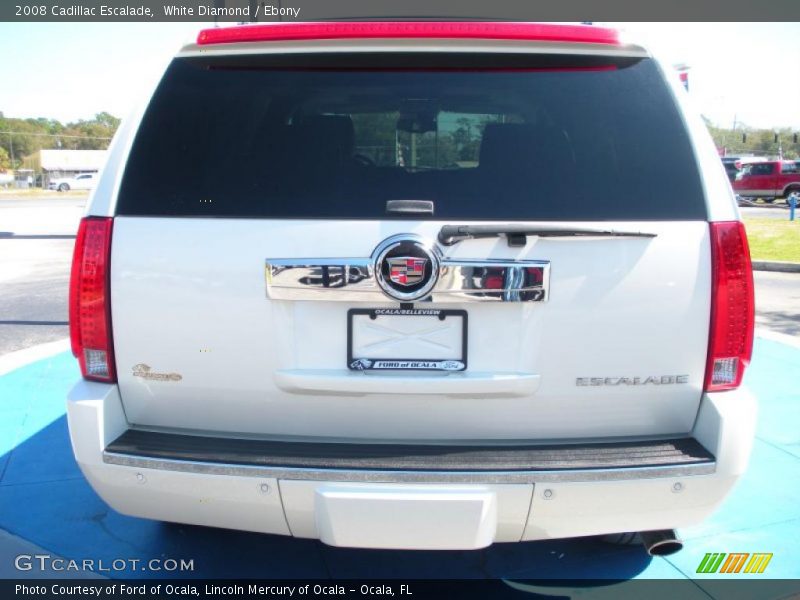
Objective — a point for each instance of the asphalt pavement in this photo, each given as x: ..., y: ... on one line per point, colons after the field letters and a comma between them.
x: 767, y: 211
x: 36, y: 240
x: 778, y: 301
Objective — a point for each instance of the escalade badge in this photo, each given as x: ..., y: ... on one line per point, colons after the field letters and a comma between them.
x: 407, y: 270
x: 144, y: 371
x: 646, y: 380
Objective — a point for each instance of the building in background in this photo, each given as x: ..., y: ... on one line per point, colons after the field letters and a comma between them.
x: 57, y: 164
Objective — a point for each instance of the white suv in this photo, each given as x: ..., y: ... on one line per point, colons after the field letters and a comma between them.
x: 449, y: 298
x: 83, y: 181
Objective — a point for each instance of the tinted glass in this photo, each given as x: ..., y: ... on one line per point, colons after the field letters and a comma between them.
x: 762, y: 169
x: 569, y: 143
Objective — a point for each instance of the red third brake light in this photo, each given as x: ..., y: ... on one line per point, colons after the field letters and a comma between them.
x: 90, y: 300
x: 730, y: 343
x: 410, y: 29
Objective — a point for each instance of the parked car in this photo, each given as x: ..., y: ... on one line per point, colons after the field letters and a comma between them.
x: 499, y: 330
x: 83, y: 181
x: 768, y: 180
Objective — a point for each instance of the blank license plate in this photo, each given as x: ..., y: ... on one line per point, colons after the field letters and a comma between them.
x: 405, y: 339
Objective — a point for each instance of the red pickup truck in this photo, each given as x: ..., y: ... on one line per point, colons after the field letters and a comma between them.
x: 768, y: 180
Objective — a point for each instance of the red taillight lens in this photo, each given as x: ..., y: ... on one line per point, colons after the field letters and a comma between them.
x: 410, y: 29
x: 730, y: 343
x: 90, y: 300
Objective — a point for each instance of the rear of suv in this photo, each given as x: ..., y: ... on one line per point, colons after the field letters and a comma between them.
x: 413, y: 285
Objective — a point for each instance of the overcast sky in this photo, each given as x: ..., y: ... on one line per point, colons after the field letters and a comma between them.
x: 69, y: 71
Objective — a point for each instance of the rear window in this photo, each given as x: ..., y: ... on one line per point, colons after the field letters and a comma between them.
x: 760, y: 169
x: 248, y: 138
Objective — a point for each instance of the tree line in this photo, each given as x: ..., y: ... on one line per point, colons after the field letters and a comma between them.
x: 759, y: 142
x: 22, y: 137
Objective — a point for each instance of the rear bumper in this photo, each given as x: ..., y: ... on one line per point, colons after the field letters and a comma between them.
x: 395, y: 463
x: 409, y: 496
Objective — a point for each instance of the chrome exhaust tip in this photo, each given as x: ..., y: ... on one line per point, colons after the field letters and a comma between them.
x: 661, y: 543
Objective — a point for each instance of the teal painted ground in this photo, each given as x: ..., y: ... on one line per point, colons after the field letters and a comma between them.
x: 44, y: 499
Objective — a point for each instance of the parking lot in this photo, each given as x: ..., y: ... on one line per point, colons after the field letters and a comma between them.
x: 46, y: 504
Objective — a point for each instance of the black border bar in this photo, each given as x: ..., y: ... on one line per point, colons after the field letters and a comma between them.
x: 421, y: 589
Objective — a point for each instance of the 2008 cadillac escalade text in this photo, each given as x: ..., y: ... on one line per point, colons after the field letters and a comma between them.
x: 104, y: 10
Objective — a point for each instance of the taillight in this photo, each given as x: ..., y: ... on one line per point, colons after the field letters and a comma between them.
x: 410, y: 29
x: 730, y: 343
x: 90, y: 300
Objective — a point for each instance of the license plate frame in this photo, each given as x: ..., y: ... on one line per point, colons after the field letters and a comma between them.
x: 366, y: 363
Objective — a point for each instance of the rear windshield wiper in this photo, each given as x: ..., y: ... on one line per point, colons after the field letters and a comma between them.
x: 517, y: 234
